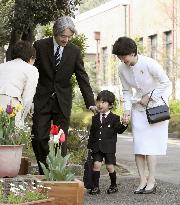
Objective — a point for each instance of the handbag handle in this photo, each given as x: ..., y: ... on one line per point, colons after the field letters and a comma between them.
x: 150, y: 98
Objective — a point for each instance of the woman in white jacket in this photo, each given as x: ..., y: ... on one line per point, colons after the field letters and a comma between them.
x: 18, y: 79
x: 140, y: 75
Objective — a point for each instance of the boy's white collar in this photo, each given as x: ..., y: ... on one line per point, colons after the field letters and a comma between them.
x: 106, y: 113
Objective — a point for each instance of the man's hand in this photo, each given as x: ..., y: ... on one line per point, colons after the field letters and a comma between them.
x: 90, y: 150
x: 93, y: 109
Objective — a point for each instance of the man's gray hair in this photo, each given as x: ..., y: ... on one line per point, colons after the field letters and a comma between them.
x: 63, y: 23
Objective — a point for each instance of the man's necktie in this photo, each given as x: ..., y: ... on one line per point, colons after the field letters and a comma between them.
x: 57, y: 56
x: 103, y: 118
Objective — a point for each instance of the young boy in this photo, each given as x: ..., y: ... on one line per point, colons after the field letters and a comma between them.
x: 103, y: 138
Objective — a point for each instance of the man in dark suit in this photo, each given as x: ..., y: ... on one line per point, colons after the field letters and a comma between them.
x: 57, y: 60
x: 103, y: 138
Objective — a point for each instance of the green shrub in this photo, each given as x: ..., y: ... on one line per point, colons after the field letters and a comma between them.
x: 78, y: 134
x: 78, y: 105
x: 174, y: 107
x: 78, y: 157
x: 174, y: 123
x: 74, y: 140
x: 81, y: 120
x: 80, y: 41
x: 77, y: 146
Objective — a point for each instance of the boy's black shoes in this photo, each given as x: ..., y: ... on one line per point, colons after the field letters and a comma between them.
x: 95, y: 191
x: 112, y: 189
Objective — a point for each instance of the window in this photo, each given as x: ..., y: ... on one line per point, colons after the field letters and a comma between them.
x: 168, y: 50
x: 153, y: 46
x: 104, y: 64
x: 140, y: 45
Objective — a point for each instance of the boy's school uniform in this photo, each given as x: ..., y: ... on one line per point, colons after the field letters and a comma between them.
x: 103, y: 136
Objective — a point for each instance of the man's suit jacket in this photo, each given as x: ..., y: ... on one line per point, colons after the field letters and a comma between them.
x: 103, y: 136
x: 58, y: 79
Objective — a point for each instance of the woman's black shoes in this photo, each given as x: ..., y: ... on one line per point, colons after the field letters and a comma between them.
x: 140, y: 191
x: 150, y: 191
x: 144, y: 191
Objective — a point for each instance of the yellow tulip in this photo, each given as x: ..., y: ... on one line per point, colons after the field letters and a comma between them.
x: 19, y: 107
x: 1, y: 109
x: 12, y: 114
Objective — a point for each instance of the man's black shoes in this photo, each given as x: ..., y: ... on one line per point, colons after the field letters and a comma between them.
x: 112, y: 189
x: 94, y: 191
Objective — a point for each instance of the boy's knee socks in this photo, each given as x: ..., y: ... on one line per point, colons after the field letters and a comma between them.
x: 96, y: 176
x: 113, y: 178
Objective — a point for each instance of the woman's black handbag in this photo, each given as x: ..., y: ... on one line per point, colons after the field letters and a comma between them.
x: 88, y: 171
x: 157, y: 114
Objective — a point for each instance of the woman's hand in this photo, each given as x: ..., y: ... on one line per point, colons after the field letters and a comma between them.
x: 126, y: 117
x: 144, y: 100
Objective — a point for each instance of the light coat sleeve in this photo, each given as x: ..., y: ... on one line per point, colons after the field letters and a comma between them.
x: 29, y: 90
x: 160, y: 76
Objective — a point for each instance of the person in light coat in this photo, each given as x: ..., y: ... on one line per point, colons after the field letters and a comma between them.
x: 18, y: 80
x: 142, y: 76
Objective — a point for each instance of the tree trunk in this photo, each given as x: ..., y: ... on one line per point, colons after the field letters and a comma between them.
x: 2, y: 54
x: 174, y: 88
x: 29, y: 35
x: 15, y: 36
x: 19, y: 32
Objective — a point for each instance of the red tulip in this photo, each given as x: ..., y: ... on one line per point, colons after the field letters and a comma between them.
x: 54, y: 130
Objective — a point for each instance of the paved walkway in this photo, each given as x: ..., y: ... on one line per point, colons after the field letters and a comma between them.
x: 168, y: 166
x: 168, y: 178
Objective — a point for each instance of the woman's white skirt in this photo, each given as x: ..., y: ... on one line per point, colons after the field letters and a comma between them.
x: 149, y: 139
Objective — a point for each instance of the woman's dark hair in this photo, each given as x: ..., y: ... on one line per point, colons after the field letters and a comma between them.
x: 23, y: 50
x: 124, y: 46
x: 106, y: 96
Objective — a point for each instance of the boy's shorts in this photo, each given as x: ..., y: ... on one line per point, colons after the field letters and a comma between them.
x: 110, y: 158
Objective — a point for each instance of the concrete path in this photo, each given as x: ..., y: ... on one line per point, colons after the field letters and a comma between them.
x: 168, y: 167
x: 168, y: 178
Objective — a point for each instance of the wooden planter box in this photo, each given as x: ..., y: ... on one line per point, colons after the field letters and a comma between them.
x: 49, y: 201
x: 65, y: 192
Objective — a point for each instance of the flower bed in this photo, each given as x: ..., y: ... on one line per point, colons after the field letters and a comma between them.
x: 22, y: 191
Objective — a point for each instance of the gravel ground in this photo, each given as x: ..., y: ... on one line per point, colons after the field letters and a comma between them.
x: 166, y: 194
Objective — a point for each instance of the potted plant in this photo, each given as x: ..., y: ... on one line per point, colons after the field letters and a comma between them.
x: 64, y: 187
x: 24, y: 193
x: 12, y: 139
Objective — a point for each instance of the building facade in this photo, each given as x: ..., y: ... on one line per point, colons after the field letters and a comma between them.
x: 155, y: 23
